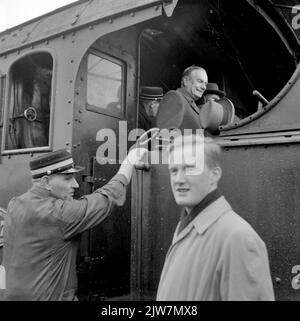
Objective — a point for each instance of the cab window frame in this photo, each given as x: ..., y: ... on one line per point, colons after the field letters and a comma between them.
x: 98, y: 109
x: 7, y: 108
x: 2, y: 97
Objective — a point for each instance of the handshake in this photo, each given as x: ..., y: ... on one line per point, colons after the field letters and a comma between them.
x: 134, y: 158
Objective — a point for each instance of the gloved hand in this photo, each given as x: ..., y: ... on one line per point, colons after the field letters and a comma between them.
x: 133, y: 158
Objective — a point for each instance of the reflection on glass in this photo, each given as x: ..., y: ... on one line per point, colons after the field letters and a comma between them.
x: 104, y: 82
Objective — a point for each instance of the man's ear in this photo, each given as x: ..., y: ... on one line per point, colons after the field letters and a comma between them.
x: 216, y: 174
x: 45, y: 180
x: 185, y: 81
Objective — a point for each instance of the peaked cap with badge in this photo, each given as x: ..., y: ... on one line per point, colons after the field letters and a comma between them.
x: 57, y: 162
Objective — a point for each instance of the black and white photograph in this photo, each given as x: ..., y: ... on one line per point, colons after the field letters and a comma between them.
x: 149, y: 152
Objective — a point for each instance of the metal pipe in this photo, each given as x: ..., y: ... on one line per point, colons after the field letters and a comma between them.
x: 260, y: 97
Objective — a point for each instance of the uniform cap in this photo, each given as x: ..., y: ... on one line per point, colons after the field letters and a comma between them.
x: 151, y: 93
x: 57, y: 162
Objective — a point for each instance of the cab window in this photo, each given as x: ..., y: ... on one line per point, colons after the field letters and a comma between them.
x: 105, y: 78
x: 28, y: 115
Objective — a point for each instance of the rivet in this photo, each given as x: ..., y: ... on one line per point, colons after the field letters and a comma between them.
x: 68, y: 122
x: 111, y: 21
x: 91, y: 27
x: 80, y: 111
x: 78, y: 145
x: 31, y: 47
x: 72, y: 60
x: 74, y: 146
x: 18, y: 52
x: 132, y: 14
x: 47, y: 42
x: 70, y: 81
x: 67, y: 144
x: 73, y: 41
x: 73, y: 33
x: 63, y: 36
x: 77, y: 92
x: 156, y: 8
x: 69, y: 101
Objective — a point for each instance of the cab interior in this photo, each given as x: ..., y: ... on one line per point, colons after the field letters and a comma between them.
x: 235, y: 43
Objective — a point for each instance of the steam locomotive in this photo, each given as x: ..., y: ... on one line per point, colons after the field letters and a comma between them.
x: 74, y: 71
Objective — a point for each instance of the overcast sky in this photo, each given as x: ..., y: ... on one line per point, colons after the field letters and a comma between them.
x: 14, y: 12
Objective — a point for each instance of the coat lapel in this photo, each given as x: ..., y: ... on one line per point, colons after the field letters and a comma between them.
x: 205, y: 219
x: 211, y: 214
x: 189, y: 99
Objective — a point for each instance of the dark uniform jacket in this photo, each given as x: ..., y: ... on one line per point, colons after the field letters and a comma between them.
x: 178, y: 110
x: 41, y: 239
x: 145, y: 121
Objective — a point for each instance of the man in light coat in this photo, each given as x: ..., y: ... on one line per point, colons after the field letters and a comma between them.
x: 215, y: 254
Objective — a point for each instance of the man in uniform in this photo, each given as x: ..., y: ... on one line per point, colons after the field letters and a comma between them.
x: 42, y: 226
x: 215, y: 254
x: 148, y: 107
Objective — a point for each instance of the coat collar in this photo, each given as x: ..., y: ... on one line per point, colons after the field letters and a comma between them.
x: 211, y: 214
x: 205, y: 219
x: 189, y: 98
x: 40, y: 191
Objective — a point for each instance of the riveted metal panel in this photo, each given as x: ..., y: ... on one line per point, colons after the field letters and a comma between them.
x: 71, y: 17
x: 105, y: 263
x: 262, y: 183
